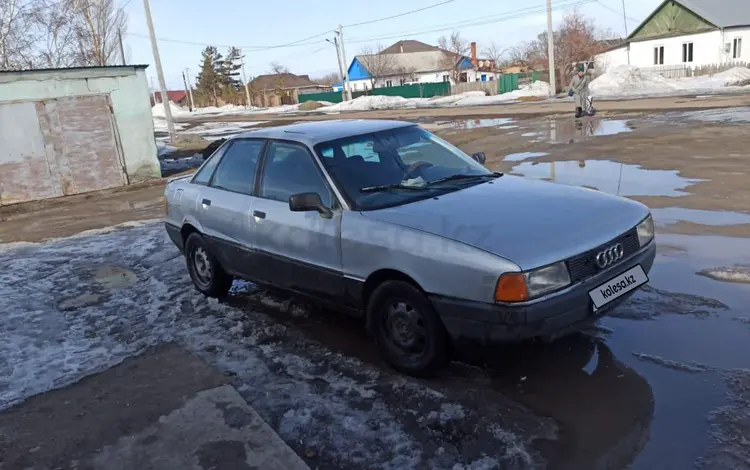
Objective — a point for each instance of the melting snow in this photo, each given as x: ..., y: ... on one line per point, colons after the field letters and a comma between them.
x: 630, y: 81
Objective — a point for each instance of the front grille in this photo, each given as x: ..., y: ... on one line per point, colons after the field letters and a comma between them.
x: 583, y: 266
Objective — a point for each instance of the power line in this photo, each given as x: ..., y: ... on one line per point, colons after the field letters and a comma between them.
x: 244, y: 48
x: 399, y: 15
x: 475, y: 22
x: 619, y: 13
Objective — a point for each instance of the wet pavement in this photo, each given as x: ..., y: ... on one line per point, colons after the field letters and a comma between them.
x: 607, y: 176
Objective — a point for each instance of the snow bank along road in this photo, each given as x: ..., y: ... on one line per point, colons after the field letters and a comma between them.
x: 80, y: 305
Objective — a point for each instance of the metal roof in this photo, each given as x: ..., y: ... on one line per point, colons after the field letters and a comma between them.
x: 74, y: 69
x: 417, y: 62
x: 721, y: 13
x: 314, y: 132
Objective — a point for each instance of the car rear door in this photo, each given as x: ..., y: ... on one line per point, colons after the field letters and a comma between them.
x: 227, y: 203
x: 299, y: 250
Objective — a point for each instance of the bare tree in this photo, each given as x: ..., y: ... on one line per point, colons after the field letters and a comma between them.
x: 96, y: 24
x: 577, y: 39
x: 56, y: 43
x: 454, y: 49
x: 278, y: 69
x: 328, y: 79
x: 15, y: 40
x: 378, y: 65
x: 495, y: 53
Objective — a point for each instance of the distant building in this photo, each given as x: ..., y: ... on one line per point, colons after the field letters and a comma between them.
x: 691, y: 33
x: 75, y: 130
x: 179, y: 97
x: 282, y: 88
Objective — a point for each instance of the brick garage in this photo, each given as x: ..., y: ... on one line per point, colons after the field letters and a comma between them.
x: 71, y: 131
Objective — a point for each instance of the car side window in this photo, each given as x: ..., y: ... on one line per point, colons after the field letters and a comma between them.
x: 207, y: 170
x: 236, y: 172
x: 290, y: 169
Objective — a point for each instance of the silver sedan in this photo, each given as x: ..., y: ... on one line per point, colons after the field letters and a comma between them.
x: 387, y: 221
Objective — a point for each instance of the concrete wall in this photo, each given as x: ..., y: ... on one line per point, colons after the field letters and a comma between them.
x: 129, y: 94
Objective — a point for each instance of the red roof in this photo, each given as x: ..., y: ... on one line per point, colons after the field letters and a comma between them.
x: 174, y: 96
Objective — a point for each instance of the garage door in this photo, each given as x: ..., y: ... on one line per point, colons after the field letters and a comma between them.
x: 57, y: 147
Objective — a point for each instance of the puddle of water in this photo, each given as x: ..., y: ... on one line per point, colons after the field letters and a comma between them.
x: 517, y: 157
x: 570, y: 131
x: 113, y: 278
x: 610, y: 177
x: 732, y: 115
x: 476, y: 123
x: 673, y: 215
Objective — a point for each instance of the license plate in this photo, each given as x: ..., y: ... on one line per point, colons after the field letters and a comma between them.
x: 618, y: 286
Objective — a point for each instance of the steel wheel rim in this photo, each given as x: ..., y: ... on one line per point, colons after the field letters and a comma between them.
x: 404, y: 329
x: 202, y: 265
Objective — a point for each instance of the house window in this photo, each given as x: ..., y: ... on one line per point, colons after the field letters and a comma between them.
x: 446, y: 78
x: 737, y: 48
x: 492, y: 78
x: 484, y: 77
x: 402, y: 81
x: 659, y: 55
x: 389, y: 83
x: 687, y: 52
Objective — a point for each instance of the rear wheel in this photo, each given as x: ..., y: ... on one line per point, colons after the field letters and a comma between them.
x: 408, y: 332
x: 205, y: 271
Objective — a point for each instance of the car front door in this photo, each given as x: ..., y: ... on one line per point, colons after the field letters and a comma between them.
x: 227, y: 203
x: 301, y: 251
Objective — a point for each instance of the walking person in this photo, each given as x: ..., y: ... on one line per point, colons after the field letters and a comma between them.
x: 579, y: 88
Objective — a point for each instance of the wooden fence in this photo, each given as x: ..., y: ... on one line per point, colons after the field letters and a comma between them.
x: 490, y: 88
x: 686, y: 70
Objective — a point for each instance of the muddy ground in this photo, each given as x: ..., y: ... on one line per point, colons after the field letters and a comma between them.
x: 661, y: 383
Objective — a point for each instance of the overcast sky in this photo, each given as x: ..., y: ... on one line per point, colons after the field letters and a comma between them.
x: 243, y: 24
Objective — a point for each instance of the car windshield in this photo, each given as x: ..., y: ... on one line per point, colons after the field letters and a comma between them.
x: 397, y: 166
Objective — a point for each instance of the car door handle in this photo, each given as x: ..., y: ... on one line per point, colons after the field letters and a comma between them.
x: 206, y: 202
x: 259, y: 214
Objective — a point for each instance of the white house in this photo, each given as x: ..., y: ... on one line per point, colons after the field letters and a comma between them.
x: 416, y: 62
x: 690, y: 33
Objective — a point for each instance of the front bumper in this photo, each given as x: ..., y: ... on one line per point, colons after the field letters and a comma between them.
x: 548, y: 318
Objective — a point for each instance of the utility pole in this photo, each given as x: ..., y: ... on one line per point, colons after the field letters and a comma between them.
x: 190, y: 89
x: 550, y: 50
x: 346, y: 67
x: 122, y: 49
x: 625, y: 19
x: 244, y: 80
x: 341, y: 68
x: 159, y: 72
x: 187, y: 92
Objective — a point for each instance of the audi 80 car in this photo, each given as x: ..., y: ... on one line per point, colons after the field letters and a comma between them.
x: 385, y: 220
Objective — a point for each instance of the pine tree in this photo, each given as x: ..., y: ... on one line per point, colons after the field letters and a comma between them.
x: 209, y: 81
x: 231, y: 68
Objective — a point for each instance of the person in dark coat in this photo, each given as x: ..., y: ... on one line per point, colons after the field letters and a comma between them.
x: 579, y: 89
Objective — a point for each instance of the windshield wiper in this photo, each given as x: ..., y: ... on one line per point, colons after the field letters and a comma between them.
x: 385, y: 187
x: 462, y: 176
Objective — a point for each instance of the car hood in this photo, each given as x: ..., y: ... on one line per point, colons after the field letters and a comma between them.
x: 531, y: 223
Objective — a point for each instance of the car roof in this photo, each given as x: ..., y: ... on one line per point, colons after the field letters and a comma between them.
x: 314, y: 132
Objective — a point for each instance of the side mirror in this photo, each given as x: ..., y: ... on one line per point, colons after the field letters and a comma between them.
x: 479, y: 157
x: 305, y: 202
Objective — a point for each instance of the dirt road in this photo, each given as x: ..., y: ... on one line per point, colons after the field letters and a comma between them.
x: 661, y: 383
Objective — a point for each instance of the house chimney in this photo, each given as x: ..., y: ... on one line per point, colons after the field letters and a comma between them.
x: 401, y: 46
x: 474, y: 54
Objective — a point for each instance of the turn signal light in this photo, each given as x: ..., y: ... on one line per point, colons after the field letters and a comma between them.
x: 511, y: 287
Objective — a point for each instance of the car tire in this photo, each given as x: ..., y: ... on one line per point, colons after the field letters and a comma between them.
x: 205, y: 270
x: 409, y: 334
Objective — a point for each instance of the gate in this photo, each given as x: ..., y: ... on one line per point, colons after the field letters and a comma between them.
x: 57, y: 147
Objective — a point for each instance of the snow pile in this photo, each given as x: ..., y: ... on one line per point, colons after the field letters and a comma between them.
x: 158, y: 110
x: 628, y: 80
x: 439, y: 101
x: 367, y: 103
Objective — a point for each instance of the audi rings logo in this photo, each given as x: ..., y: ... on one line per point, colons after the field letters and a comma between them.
x: 610, y: 256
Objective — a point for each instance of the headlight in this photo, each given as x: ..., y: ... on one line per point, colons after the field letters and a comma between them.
x: 646, y: 231
x: 517, y: 287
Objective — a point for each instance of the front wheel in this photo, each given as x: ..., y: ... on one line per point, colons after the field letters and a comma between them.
x: 408, y: 332
x: 205, y: 271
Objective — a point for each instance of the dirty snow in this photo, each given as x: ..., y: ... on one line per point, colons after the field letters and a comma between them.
x: 632, y: 81
x: 739, y: 274
x: 175, y: 165
x: 79, y: 305
x: 692, y: 367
